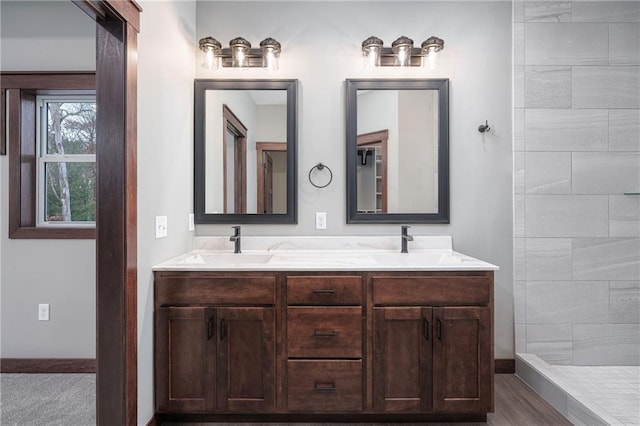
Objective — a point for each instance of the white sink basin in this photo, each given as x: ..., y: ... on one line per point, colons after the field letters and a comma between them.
x: 227, y: 259
x: 421, y: 259
x: 407, y: 259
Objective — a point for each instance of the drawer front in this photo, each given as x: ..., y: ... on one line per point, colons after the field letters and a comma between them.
x: 324, y: 290
x: 231, y: 289
x: 324, y: 332
x: 432, y: 290
x: 324, y: 386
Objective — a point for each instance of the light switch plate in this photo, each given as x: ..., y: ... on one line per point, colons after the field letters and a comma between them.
x: 161, y: 227
x: 192, y: 222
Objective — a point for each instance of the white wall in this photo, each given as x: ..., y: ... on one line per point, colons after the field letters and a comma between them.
x: 45, y: 36
x: 417, y: 175
x: 245, y: 109
x: 166, y: 58
x: 321, y: 48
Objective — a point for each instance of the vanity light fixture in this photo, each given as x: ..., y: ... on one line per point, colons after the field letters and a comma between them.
x: 239, y: 54
x: 401, y: 53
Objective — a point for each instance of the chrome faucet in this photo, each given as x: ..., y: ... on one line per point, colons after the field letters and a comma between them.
x: 236, y: 238
x: 405, y: 238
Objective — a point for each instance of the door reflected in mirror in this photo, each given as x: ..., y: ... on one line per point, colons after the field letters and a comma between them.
x: 397, y: 151
x: 245, y: 151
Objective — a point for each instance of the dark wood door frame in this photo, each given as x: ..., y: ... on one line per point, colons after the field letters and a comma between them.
x: 261, y: 148
x: 117, y: 27
x: 232, y: 124
x: 378, y: 139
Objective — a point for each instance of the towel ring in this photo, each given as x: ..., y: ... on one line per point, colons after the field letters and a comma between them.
x: 320, y: 167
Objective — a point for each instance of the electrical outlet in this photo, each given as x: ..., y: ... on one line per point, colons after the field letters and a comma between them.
x: 192, y: 222
x: 43, y: 312
x: 161, y: 227
x: 321, y: 220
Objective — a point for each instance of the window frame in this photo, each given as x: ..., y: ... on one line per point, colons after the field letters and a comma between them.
x: 44, y: 158
x: 20, y: 90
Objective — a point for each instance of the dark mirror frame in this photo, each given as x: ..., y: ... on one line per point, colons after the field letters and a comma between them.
x: 200, y: 88
x: 442, y: 86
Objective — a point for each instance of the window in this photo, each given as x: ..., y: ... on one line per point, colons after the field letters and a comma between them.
x: 66, y: 173
x: 51, y: 139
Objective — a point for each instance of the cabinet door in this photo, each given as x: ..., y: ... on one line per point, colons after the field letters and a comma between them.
x: 185, y: 360
x: 246, y: 360
x: 402, y: 359
x: 462, y: 360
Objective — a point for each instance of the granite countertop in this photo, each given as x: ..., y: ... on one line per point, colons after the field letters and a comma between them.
x: 433, y: 253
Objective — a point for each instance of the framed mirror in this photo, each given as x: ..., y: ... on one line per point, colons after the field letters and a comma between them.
x: 397, y: 151
x: 245, y: 151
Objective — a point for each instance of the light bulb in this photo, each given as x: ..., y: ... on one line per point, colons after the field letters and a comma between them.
x: 430, y: 51
x: 270, y: 54
x: 239, y: 51
x: 371, y: 52
x: 403, y: 57
x: 210, y: 50
x: 402, y: 49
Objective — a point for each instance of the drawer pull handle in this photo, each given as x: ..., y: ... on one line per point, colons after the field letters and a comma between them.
x: 439, y: 325
x: 323, y: 291
x: 210, y: 328
x: 425, y: 325
x: 223, y: 329
x: 325, y: 387
x: 324, y: 333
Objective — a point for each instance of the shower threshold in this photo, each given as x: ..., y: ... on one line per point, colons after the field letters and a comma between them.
x: 586, y: 395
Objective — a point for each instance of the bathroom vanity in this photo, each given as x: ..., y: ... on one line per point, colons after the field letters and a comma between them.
x: 342, y: 334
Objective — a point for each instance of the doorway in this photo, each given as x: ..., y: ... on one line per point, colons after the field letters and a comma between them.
x: 117, y: 27
x: 271, y: 176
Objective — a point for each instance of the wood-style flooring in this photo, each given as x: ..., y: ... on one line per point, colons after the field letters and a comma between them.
x: 516, y: 404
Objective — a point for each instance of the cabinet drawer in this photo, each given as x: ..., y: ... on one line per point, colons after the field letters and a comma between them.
x: 432, y: 290
x: 324, y: 332
x: 231, y: 289
x: 324, y: 386
x: 324, y: 290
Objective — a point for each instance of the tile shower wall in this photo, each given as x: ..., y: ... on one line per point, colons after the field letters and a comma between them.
x: 576, y: 152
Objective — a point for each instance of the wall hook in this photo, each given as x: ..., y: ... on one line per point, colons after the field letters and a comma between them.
x: 484, y: 127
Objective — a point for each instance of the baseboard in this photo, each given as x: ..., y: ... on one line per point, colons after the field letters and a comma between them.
x: 156, y: 420
x: 505, y: 366
x: 47, y: 365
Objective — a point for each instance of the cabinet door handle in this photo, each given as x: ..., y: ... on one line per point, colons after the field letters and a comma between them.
x: 324, y: 333
x: 323, y: 291
x: 210, y: 328
x: 439, y: 327
x: 325, y: 387
x: 223, y: 329
x: 425, y: 325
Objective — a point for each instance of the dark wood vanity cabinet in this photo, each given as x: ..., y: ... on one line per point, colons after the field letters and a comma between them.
x: 462, y: 359
x: 324, y: 332
x: 215, y: 351
x: 433, y: 343
x: 402, y: 359
x: 416, y: 344
x: 245, y: 381
x: 185, y: 364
